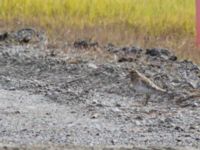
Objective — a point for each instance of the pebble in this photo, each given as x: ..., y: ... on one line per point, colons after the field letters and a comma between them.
x: 95, y: 116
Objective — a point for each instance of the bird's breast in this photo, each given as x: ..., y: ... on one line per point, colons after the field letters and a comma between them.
x: 141, y: 88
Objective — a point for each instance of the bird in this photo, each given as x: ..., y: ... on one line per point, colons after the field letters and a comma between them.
x: 144, y: 85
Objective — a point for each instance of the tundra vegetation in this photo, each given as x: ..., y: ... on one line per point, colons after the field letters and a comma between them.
x: 145, y: 23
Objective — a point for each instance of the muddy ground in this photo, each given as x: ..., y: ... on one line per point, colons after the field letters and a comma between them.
x: 81, y: 95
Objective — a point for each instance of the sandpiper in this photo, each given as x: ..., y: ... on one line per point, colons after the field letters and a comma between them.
x: 144, y: 85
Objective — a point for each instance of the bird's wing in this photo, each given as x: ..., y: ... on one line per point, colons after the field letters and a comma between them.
x: 151, y: 83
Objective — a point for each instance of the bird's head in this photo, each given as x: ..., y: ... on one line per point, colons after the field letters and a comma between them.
x: 133, y: 75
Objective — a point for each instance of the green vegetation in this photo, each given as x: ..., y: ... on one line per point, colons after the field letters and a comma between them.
x: 156, y: 23
x: 152, y: 16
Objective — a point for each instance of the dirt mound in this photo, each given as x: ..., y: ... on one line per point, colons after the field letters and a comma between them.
x: 69, y: 98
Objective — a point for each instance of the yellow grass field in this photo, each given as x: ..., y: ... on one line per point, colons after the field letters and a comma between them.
x: 161, y: 23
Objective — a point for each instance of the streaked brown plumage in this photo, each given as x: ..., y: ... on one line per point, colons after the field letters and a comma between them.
x: 144, y: 85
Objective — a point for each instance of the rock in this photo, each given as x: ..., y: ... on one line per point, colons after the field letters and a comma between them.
x: 150, y: 129
x: 125, y: 59
x: 153, y: 52
x: 197, y: 139
x: 17, y: 112
x: 195, y: 104
x: 53, y: 53
x: 161, y: 53
x: 178, y: 140
x: 113, y: 142
x: 133, y: 50
x: 139, y: 118
x: 173, y: 58
x: 94, y: 116
x: 138, y: 123
x: 12, y: 88
x: 168, y: 120
x: 25, y: 35
x: 85, y: 44
x: 110, y: 45
x: 124, y: 50
x: 180, y: 129
x: 117, y: 105
x: 136, y: 50
x: 3, y: 36
x: 22, y: 36
x: 192, y: 127
x: 99, y: 105
x: 93, y: 66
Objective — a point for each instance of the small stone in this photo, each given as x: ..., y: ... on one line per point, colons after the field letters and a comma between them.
x: 119, y: 115
x: 165, y: 52
x: 110, y: 45
x: 178, y: 140
x: 153, y: 52
x: 93, y: 66
x: 81, y: 44
x: 150, y: 130
x: 187, y: 135
x: 48, y: 114
x: 5, y: 147
x: 24, y: 130
x: 12, y: 88
x: 124, y: 59
x: 97, y: 134
x: 94, y: 44
x: 138, y: 123
x: 112, y: 142
x: 94, y: 102
x: 94, y: 116
x: 139, y: 118
x: 127, y: 118
x: 17, y: 112
x: 195, y: 104
x: 53, y: 53
x: 3, y: 36
x: 197, y: 139
x: 85, y: 44
x: 73, y: 112
x: 125, y: 49
x: 117, y: 105
x: 99, y: 105
x: 179, y: 129
x: 173, y: 58
x: 135, y: 49
x: 192, y: 128
x: 168, y: 120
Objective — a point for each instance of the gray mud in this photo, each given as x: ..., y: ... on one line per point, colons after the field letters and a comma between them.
x: 46, y: 99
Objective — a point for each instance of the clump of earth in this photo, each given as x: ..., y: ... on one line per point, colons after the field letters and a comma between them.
x: 81, y: 95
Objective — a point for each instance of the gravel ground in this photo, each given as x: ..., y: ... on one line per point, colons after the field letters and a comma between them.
x: 55, y: 97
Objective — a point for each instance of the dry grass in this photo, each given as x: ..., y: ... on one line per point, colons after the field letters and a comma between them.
x: 148, y: 23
